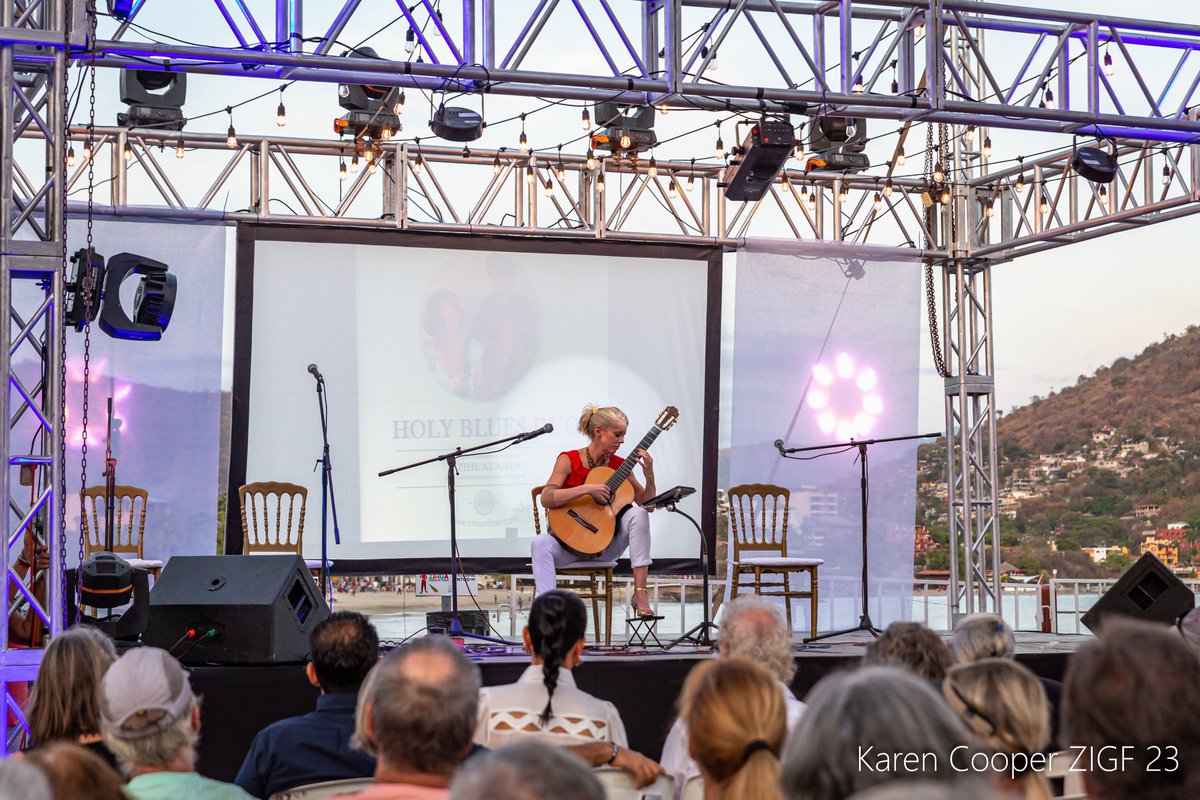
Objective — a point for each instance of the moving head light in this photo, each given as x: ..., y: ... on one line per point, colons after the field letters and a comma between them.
x: 759, y: 159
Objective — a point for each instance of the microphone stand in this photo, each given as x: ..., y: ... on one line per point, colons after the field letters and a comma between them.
x: 451, y: 460
x: 864, y: 620
x: 328, y: 499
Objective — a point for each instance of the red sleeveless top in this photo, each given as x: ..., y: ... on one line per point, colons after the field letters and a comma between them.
x: 579, y: 470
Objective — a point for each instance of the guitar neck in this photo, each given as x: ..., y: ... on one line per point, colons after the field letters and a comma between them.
x: 622, y: 472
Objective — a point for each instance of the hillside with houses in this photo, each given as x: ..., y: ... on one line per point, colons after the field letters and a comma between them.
x: 1093, y: 475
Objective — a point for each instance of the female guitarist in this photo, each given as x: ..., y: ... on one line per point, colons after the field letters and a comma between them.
x: 605, y: 428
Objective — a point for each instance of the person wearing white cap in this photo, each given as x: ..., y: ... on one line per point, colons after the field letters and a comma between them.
x: 150, y: 720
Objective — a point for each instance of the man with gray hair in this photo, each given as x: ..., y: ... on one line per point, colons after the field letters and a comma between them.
x: 150, y: 720
x: 526, y: 771
x: 420, y: 712
x: 754, y: 629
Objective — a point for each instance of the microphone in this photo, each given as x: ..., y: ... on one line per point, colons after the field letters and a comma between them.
x: 316, y: 373
x: 779, y: 446
x: 525, y: 437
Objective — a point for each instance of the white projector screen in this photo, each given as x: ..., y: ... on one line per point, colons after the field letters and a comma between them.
x: 425, y: 349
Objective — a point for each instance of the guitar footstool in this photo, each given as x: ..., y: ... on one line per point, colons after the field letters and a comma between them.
x: 641, y: 631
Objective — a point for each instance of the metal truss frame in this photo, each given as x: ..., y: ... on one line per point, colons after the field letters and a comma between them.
x: 35, y: 38
x: 837, y: 58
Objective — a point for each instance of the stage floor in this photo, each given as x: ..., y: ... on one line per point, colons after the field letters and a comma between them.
x: 644, y: 685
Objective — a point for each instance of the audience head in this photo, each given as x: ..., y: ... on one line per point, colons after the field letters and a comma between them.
x: 912, y: 646
x: 20, y: 777
x: 736, y: 722
x: 148, y: 714
x: 1137, y: 685
x: 344, y: 647
x: 76, y: 773
x: 362, y: 735
x: 1004, y: 705
x: 526, y: 771
x: 982, y: 636
x: 64, y: 703
x: 555, y: 635
x: 754, y: 628
x: 927, y: 790
x: 869, y: 714
x: 422, y: 706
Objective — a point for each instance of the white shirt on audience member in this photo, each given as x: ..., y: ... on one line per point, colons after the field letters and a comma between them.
x: 510, y: 713
x: 680, y: 766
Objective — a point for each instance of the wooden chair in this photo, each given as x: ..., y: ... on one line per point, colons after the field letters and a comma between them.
x: 758, y: 515
x: 274, y: 522
x: 597, y: 574
x: 129, y: 507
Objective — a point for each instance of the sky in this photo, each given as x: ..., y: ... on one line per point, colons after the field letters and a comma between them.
x: 1057, y: 314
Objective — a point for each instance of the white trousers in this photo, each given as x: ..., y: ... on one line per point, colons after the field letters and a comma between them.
x: 632, y: 532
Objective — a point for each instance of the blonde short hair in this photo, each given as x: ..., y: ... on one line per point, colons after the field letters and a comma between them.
x: 982, y: 636
x: 605, y: 417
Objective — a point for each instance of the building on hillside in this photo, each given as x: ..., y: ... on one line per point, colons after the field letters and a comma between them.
x: 1164, y: 550
x: 1100, y: 553
x: 923, y: 542
x: 1103, y: 436
x: 1131, y: 448
x: 1146, y: 510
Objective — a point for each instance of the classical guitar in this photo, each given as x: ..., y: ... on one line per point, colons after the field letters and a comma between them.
x: 585, y: 526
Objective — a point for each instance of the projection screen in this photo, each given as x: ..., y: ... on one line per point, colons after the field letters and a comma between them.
x: 431, y: 343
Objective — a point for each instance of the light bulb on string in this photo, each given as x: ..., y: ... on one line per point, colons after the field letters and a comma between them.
x: 399, y: 107
x: 281, y: 115
x: 548, y: 186
x: 372, y: 167
x: 919, y: 30
x: 496, y: 165
x: 888, y: 188
x: 1021, y: 183
x: 858, y: 85
x: 1044, y: 204
x: 87, y: 149
x: 673, y: 190
x: 989, y: 206
x: 523, y: 140
x: 811, y: 201
x: 798, y: 153
x: 691, y: 181
x: 878, y: 204
x: 969, y: 135
x: 1166, y: 175
x: 354, y: 164
x: 626, y: 142
x: 231, y: 138
x: 939, y: 174
x: 466, y: 153
x: 1103, y: 194
x: 945, y: 197
x: 369, y: 154
x: 341, y: 169
x: 1108, y: 63
x: 652, y: 170
x: 900, y: 156
x: 987, y: 147
x: 720, y: 143
x: 418, y: 164
x: 591, y: 159
x: 561, y: 171
x: 587, y: 120
x: 600, y: 183
x: 529, y: 176
x: 843, y: 193
x: 385, y: 134
x: 179, y: 147
x: 70, y: 156
x: 410, y: 41
x: 126, y: 151
x: 1048, y: 99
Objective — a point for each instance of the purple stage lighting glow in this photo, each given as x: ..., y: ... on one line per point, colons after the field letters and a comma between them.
x: 101, y: 384
x: 845, y: 398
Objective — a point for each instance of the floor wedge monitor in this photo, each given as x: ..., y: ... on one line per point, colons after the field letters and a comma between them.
x: 1148, y: 591
x: 235, y: 609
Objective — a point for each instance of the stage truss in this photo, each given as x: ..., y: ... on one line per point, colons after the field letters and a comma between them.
x: 831, y: 58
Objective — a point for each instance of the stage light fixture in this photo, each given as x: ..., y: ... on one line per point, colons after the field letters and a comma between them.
x: 87, y: 278
x: 155, y: 99
x: 153, y: 300
x: 121, y: 9
x: 759, y: 159
x: 1095, y: 163
x: 456, y: 124
x: 839, y: 143
x: 369, y: 108
x: 625, y: 129
x: 106, y: 581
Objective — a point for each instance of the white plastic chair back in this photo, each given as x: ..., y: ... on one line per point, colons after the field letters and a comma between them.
x: 618, y: 785
x: 318, y: 791
x: 693, y: 789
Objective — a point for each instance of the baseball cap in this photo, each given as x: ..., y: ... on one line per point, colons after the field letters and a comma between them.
x: 143, y: 692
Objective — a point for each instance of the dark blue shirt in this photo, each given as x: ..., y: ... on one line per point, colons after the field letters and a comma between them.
x: 308, y: 749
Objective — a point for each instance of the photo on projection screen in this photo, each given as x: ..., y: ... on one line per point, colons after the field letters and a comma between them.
x: 428, y: 349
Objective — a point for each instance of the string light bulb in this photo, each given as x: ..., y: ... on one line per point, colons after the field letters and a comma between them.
x: 127, y: 152
x: 179, y: 147
x: 858, y: 85
x: 341, y: 169
x: 369, y: 154
x: 523, y: 140
x: 281, y: 115
x: 1049, y: 98
x: 1166, y: 175
x: 691, y: 181
x: 720, y: 144
x: 842, y: 193
x: 626, y: 142
x: 231, y: 138
x: 399, y: 107
x: 887, y: 188
x: 70, y: 156
x: 354, y: 164
x: 969, y: 136
x: 1044, y: 204
x: 1103, y: 194
x: 385, y: 134
x: 652, y: 170
x: 900, y: 156
x: 87, y: 149
x: 673, y: 190
x: 989, y: 206
x: 600, y: 183
x: 798, y: 153
x: 939, y: 174
x: 878, y: 204
x: 561, y: 171
x: 496, y: 165
x: 919, y: 31
x: 987, y: 147
x: 418, y: 164
x: 591, y: 159
x: 587, y: 120
x: 945, y: 197
x: 410, y: 41
x: 548, y: 186
x: 1021, y: 183
x: 811, y: 201
x: 1108, y: 63
x: 529, y: 176
x: 374, y: 165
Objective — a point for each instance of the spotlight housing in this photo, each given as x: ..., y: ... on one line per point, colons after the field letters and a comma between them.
x: 624, y: 129
x: 764, y: 152
x: 153, y: 302
x: 155, y: 99
x: 1095, y: 163
x: 839, y: 142
x: 456, y: 124
x: 369, y: 109
x: 88, y: 278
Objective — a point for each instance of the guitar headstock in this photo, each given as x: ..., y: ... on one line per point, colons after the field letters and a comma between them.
x: 668, y: 417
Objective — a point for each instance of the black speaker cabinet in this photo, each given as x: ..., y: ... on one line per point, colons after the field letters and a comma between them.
x: 235, y: 609
x: 472, y: 621
x: 1147, y: 591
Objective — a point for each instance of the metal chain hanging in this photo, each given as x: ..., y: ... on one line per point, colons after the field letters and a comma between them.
x: 60, y: 490
x: 87, y: 288
x: 935, y: 339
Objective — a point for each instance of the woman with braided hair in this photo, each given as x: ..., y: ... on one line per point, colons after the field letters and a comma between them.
x: 736, y: 721
x: 544, y: 704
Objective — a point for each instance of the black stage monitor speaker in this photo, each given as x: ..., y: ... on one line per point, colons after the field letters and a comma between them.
x: 235, y: 609
x: 1147, y: 591
x: 472, y: 621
